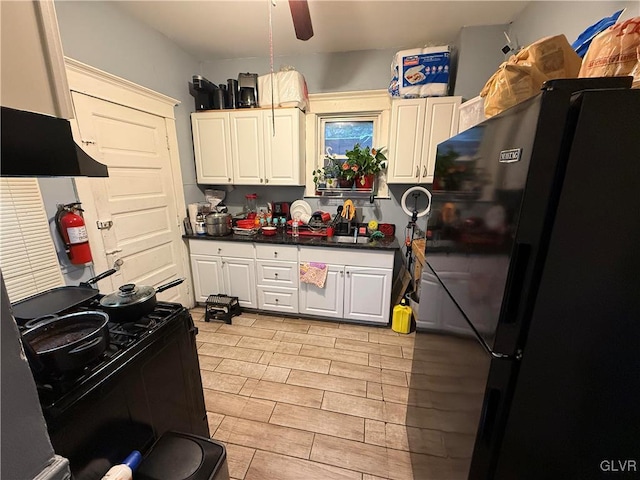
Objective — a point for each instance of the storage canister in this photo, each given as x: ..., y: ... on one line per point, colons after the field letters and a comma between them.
x: 401, y: 322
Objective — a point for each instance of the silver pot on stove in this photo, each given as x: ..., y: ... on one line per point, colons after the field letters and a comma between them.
x: 218, y: 224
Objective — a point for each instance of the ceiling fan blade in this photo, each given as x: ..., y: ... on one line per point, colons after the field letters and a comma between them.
x: 301, y: 19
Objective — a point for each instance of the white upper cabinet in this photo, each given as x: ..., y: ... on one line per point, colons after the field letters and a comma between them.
x: 212, y: 147
x: 417, y: 126
x: 33, y: 72
x: 284, y: 150
x: 239, y: 147
x: 247, y: 145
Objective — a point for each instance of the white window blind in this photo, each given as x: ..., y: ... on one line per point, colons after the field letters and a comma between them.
x: 27, y: 255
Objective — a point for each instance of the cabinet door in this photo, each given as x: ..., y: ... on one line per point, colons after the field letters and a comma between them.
x: 441, y: 124
x: 247, y: 141
x: 284, y: 151
x: 327, y: 301
x: 367, y: 294
x: 240, y: 280
x: 212, y: 147
x: 207, y: 276
x: 405, y: 145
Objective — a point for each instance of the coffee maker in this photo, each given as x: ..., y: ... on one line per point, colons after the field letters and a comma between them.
x: 202, y: 90
x: 248, y: 86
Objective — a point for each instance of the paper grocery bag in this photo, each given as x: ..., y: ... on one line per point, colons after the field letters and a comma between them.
x: 522, y: 76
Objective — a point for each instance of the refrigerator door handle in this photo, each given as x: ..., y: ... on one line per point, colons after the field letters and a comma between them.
x: 483, y: 343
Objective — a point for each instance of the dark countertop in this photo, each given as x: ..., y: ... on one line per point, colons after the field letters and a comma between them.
x: 307, y: 241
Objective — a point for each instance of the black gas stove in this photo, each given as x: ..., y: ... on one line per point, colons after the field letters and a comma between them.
x: 145, y: 383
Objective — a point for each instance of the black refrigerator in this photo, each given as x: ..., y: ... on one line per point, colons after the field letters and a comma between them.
x: 528, y: 359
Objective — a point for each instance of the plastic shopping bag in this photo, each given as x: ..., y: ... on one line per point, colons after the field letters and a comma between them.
x: 614, y: 52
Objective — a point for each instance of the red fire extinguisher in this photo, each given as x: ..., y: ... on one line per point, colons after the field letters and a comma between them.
x: 73, y: 232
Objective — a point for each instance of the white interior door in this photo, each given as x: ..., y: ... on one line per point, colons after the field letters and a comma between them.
x: 138, y: 196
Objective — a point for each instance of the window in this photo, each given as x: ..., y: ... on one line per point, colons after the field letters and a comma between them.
x: 340, y: 135
x: 27, y: 255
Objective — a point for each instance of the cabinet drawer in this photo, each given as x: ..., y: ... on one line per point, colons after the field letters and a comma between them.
x: 277, y: 252
x: 279, y: 274
x: 221, y: 248
x: 348, y: 256
x: 278, y: 299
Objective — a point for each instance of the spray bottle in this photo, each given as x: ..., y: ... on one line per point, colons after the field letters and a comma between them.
x: 125, y: 470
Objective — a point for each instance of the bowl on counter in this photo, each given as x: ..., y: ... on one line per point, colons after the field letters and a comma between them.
x: 248, y: 223
x: 268, y: 231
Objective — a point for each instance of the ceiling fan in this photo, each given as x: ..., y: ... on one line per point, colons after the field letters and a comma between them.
x: 301, y: 19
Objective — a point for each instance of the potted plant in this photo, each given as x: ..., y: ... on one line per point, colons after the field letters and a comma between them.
x: 327, y: 176
x: 366, y: 164
x: 348, y: 173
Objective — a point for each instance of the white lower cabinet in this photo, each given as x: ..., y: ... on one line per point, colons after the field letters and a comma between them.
x: 266, y: 277
x: 327, y: 301
x: 239, y: 280
x: 277, y: 285
x: 277, y: 271
x: 353, y: 290
x: 367, y: 294
x: 226, y: 268
x: 207, y: 278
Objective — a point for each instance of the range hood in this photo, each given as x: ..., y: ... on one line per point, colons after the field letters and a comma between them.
x: 36, y: 145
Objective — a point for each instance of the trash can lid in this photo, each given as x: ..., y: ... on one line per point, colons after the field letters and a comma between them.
x: 178, y: 456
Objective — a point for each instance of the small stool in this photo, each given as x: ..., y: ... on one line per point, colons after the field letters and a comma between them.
x: 221, y: 307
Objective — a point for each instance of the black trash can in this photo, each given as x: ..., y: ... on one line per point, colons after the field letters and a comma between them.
x: 182, y: 456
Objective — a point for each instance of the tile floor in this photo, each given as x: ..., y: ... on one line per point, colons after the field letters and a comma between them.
x: 297, y: 399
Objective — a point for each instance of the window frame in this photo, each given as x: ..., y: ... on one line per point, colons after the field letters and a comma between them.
x: 345, y: 106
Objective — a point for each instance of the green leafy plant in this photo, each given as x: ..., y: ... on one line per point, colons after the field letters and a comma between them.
x: 367, y: 161
x: 331, y: 169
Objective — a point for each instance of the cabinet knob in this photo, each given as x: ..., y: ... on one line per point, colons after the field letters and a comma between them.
x: 229, y: 179
x: 417, y: 170
x: 261, y: 180
x: 276, y: 300
x: 342, y: 274
x: 275, y: 254
x: 424, y: 171
x: 266, y: 180
x: 276, y: 275
x: 219, y: 250
x: 348, y: 273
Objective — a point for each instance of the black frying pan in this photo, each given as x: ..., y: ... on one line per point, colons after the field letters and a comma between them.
x: 132, y: 302
x: 67, y: 342
x: 57, y: 299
